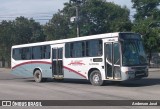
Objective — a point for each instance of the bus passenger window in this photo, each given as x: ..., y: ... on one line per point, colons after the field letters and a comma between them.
x: 77, y: 49
x: 36, y: 52
x: 16, y: 54
x: 83, y: 49
x: 71, y: 50
x: 47, y: 52
x: 25, y: 53
x: 94, y: 48
x: 67, y: 50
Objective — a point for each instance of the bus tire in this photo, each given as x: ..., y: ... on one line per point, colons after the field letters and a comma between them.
x: 38, y: 76
x: 96, y: 78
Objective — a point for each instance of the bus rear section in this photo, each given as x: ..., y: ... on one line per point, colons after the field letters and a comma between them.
x: 30, y: 58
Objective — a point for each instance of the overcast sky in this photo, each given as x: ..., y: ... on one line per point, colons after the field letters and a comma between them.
x: 40, y: 10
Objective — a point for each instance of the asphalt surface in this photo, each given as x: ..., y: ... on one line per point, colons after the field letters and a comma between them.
x: 20, y: 88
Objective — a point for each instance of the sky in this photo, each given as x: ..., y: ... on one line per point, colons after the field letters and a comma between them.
x: 40, y: 10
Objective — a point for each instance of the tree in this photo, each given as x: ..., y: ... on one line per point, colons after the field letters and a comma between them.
x: 27, y: 31
x: 95, y: 17
x: 99, y: 16
x: 57, y: 28
x: 6, y: 39
x: 146, y: 9
x: 151, y: 35
x: 146, y: 23
x: 19, y: 31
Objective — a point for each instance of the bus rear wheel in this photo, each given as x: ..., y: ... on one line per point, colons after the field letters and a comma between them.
x: 38, y: 76
x: 96, y: 78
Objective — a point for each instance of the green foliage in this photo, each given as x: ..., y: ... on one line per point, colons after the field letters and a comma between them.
x: 57, y: 28
x: 28, y: 31
x: 6, y: 29
x: 147, y: 23
x: 146, y: 8
x: 151, y: 34
x: 99, y: 16
x: 95, y: 17
x: 19, y: 31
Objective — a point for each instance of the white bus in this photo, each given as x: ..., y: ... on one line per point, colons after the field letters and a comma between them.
x: 111, y: 56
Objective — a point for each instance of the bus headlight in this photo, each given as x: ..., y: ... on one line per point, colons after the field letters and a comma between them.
x: 146, y: 72
x: 131, y: 74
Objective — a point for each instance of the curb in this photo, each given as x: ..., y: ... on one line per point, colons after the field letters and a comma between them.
x: 153, y: 70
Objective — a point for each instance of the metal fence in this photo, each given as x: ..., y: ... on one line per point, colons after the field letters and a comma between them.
x: 4, y: 64
x: 155, y: 60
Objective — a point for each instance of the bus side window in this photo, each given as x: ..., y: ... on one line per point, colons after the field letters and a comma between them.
x: 42, y: 52
x: 71, y: 50
x: 13, y: 52
x: 100, y: 48
x: 25, y: 53
x: 16, y: 54
x: 23, y: 57
x: 32, y: 56
x: 47, y: 53
x: 28, y: 53
x: 87, y: 48
x: 83, y: 49
x: 67, y: 50
x: 36, y: 52
x: 94, y: 48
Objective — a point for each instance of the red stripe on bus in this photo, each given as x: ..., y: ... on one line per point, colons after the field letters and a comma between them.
x: 44, y: 62
x: 74, y: 71
x: 31, y: 62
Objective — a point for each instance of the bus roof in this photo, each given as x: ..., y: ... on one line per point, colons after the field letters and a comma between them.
x: 100, y: 36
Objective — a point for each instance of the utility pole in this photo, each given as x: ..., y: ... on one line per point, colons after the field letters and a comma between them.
x: 77, y: 20
x: 77, y: 2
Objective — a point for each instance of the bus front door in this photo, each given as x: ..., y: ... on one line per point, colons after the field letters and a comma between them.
x: 112, y: 64
x: 57, y: 62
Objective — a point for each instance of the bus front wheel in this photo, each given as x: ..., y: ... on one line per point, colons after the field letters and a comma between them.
x: 96, y: 78
x: 38, y: 76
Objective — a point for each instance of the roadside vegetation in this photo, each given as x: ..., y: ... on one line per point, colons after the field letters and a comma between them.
x: 95, y: 17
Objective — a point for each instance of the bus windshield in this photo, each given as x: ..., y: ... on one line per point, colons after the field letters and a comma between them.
x: 132, y: 51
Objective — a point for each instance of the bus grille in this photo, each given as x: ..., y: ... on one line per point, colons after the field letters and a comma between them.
x: 139, y: 74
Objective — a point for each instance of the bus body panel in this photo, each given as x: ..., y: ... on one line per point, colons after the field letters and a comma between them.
x: 72, y: 74
x: 21, y: 68
x: 134, y: 72
x: 26, y: 68
x: 81, y: 66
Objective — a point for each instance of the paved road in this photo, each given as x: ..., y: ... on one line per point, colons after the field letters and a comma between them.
x: 19, y: 88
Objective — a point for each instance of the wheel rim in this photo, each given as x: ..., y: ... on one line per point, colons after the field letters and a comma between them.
x: 96, y: 78
x: 37, y: 75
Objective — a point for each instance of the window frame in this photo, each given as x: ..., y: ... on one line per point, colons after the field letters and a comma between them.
x: 22, y: 51
x: 69, y: 46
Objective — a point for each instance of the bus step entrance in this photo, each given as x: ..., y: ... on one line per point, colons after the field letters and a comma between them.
x: 58, y: 76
